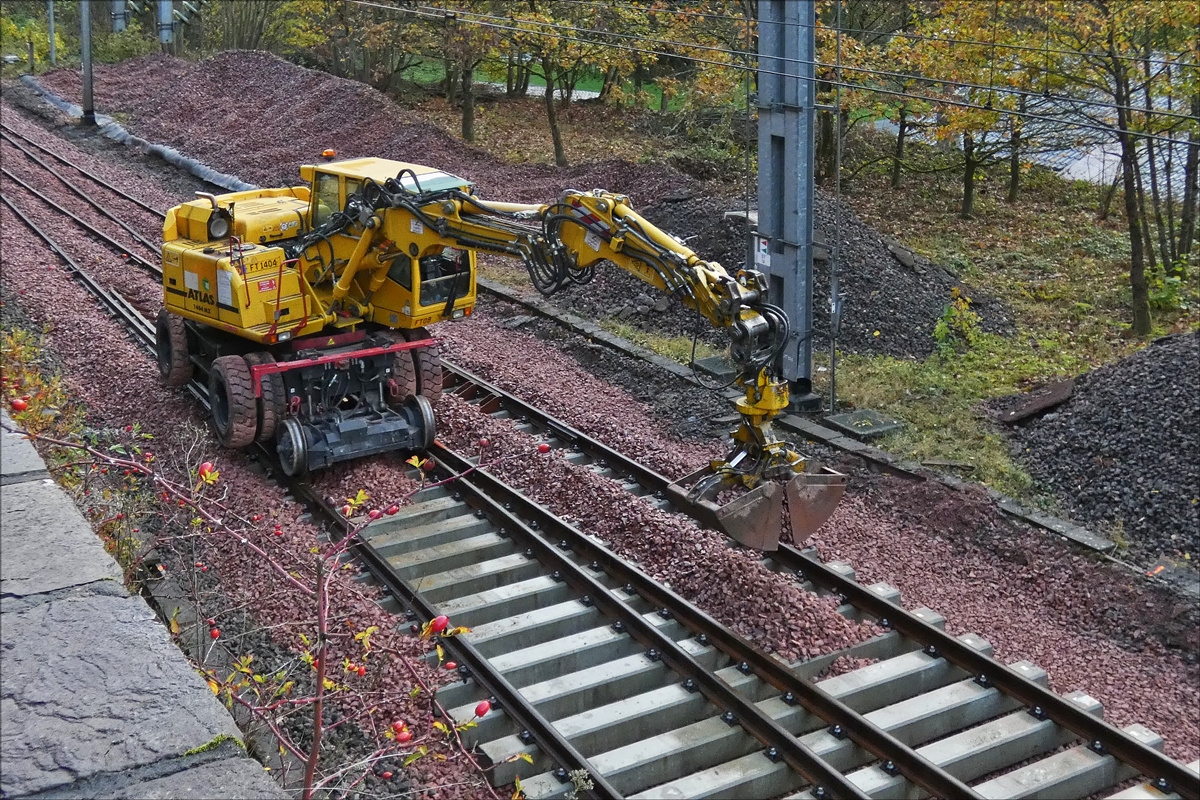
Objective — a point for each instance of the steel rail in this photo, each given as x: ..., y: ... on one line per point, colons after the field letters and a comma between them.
x: 1043, y: 703
x: 507, y: 697
x: 1103, y: 736
x: 79, y: 192
x: 115, y: 302
x: 141, y: 204
x: 750, y: 659
x: 84, y: 224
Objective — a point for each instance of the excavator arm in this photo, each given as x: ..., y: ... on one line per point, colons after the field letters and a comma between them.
x: 562, y: 242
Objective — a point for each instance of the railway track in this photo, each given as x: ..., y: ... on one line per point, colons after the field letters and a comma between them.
x: 600, y: 675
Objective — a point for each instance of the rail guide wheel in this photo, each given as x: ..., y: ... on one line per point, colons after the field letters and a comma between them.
x: 291, y: 445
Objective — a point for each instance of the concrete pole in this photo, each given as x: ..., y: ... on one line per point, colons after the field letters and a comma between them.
x: 85, y: 47
x: 50, y: 28
x: 119, y: 16
x: 786, y: 114
x: 166, y: 22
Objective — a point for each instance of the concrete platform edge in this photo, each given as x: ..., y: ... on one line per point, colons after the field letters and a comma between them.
x: 96, y: 699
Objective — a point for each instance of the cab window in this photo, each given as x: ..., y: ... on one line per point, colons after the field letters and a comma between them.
x: 444, y: 275
x: 325, y: 200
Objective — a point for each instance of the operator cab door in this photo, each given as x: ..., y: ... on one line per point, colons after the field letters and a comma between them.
x: 329, y: 195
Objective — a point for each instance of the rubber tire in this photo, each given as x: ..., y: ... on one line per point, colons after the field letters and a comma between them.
x: 231, y: 391
x: 271, y: 406
x: 404, y: 373
x: 171, y: 351
x: 429, y: 366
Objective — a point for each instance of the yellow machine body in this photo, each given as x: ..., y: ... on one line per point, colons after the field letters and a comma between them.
x: 391, y: 269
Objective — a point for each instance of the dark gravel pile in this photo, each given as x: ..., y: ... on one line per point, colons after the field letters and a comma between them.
x: 881, y: 293
x: 259, y: 117
x: 1123, y: 450
x: 202, y: 110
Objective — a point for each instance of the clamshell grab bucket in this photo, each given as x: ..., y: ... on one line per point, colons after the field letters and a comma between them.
x: 755, y: 519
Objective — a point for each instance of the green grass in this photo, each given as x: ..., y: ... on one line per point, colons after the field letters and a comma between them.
x: 938, y: 398
x: 1061, y: 272
x: 676, y: 348
x: 430, y: 71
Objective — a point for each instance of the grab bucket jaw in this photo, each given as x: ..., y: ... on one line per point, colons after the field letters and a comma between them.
x: 755, y: 519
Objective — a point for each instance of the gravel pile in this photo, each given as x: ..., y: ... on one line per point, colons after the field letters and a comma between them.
x: 1121, y: 453
x: 199, y: 108
x: 202, y: 109
x: 902, y: 303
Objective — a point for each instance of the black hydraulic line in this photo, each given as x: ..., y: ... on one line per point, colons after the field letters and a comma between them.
x: 88, y: 174
x: 155, y: 268
x: 488, y: 491
x: 79, y: 192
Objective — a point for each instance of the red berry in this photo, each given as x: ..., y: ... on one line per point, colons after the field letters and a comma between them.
x: 215, y: 632
x: 439, y: 623
x: 211, y: 621
x: 451, y: 665
x: 403, y: 736
x: 278, y: 532
x: 19, y: 404
x: 362, y: 671
x: 257, y: 517
x: 206, y: 469
x: 204, y: 569
x: 543, y: 448
x: 374, y: 513
x: 345, y: 511
x: 483, y: 708
x: 484, y: 443
x: 429, y: 465
x: 386, y: 776
x: 392, y: 509
x: 128, y: 428
x: 399, y: 725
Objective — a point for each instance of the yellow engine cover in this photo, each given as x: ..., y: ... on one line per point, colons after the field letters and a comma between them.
x: 239, y: 292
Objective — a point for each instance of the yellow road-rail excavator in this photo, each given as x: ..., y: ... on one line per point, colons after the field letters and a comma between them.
x: 308, y: 306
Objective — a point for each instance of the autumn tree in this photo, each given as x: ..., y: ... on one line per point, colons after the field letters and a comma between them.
x: 1121, y: 80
